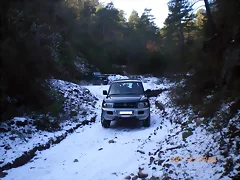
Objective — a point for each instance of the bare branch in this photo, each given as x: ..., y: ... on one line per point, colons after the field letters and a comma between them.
x: 195, y: 2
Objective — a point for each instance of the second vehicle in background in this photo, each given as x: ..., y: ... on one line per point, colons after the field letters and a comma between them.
x: 96, y: 78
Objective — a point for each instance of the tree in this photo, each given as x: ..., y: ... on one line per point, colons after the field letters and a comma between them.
x: 146, y: 21
x: 179, y: 21
x: 133, y: 19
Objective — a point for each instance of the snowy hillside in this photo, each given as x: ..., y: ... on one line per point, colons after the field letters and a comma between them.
x: 22, y: 134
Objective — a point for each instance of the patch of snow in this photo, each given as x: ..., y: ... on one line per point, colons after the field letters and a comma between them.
x: 87, y: 153
x: 76, y: 97
x: 22, y: 119
x: 20, y: 139
x: 209, y: 96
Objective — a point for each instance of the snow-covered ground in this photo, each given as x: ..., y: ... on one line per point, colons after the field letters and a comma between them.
x: 127, y: 150
x: 22, y: 134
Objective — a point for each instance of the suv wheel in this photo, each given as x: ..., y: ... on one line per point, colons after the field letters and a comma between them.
x: 105, y: 123
x: 146, y: 122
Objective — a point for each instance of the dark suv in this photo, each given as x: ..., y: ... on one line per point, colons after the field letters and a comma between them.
x: 96, y: 78
x: 125, y: 99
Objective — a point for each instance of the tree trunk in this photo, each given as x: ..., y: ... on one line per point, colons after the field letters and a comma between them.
x: 211, y: 26
x: 182, y: 48
x: 181, y: 35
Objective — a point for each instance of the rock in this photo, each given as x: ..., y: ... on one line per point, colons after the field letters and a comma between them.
x: 154, y: 168
x: 172, y: 148
x: 12, y: 138
x: 132, y: 174
x: 75, y: 160
x: 87, y: 91
x: 142, y: 152
x: 134, y: 177
x: 93, y: 119
x: 142, y: 175
x: 3, y: 130
x: 159, y: 154
x: 7, y: 147
x: 166, y: 178
x: 186, y: 134
x: 151, y: 160
x: 84, y: 113
x: 85, y: 122
x: 198, y: 122
x: 111, y: 141
x: 160, y: 162
x: 20, y: 123
x: 76, y: 90
x: 11, y: 123
x: 154, y: 178
x: 127, y: 177
x: 159, y: 106
x: 100, y: 149
x: 3, y: 174
x: 167, y: 165
x: 184, y: 124
x: 1, y: 162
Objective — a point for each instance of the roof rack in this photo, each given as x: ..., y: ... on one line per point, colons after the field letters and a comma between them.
x: 126, y: 80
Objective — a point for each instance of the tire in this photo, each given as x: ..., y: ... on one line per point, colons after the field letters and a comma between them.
x: 105, y: 123
x: 146, y: 122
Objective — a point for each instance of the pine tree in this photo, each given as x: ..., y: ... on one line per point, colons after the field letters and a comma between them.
x: 147, y: 21
x: 179, y: 23
x: 133, y: 19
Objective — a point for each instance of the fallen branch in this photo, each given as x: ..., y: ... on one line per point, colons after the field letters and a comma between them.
x: 156, y: 92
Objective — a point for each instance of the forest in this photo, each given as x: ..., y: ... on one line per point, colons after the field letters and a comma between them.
x: 43, y: 39
x: 48, y: 45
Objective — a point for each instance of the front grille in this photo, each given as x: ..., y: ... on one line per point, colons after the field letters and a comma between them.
x: 125, y: 105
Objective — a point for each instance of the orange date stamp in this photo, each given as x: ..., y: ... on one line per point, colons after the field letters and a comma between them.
x: 194, y: 159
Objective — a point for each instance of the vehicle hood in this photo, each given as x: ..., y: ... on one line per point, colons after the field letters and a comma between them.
x: 124, y: 98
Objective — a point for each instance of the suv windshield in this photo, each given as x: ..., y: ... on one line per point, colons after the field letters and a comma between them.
x: 125, y: 88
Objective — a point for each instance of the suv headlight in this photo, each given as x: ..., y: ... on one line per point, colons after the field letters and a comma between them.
x: 107, y: 105
x: 143, y: 105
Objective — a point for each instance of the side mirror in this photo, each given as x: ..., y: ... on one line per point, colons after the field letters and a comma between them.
x: 148, y: 91
x: 104, y: 92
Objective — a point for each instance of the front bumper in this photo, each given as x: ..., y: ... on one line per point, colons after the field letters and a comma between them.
x: 112, y: 114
